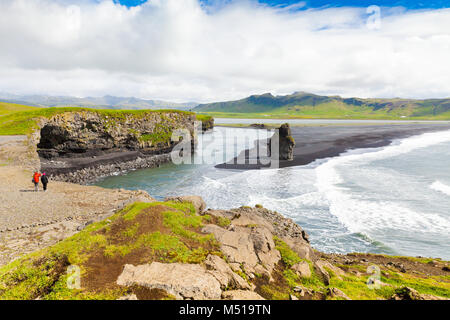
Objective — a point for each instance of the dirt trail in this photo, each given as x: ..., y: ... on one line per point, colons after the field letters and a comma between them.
x: 32, y: 220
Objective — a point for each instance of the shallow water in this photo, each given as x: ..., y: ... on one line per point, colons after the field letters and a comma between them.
x: 393, y: 200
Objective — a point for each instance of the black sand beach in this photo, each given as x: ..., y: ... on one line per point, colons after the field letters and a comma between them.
x: 319, y: 142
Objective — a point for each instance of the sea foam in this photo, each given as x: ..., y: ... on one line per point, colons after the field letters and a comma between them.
x: 439, y: 186
x: 361, y: 215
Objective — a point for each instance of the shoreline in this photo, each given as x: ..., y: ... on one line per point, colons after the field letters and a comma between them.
x: 87, y: 171
x: 255, y: 242
x: 315, y: 143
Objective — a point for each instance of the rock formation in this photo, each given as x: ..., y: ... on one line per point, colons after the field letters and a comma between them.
x: 85, y: 133
x: 286, y: 143
x: 81, y: 146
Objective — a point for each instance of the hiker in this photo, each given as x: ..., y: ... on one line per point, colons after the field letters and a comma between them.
x: 44, y: 180
x: 35, y: 180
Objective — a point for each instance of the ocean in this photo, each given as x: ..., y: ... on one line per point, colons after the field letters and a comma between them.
x: 390, y: 200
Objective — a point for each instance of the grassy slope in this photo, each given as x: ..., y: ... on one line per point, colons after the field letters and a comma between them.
x: 141, y: 233
x: 7, y: 108
x: 168, y: 232
x: 322, y: 107
x: 20, y: 120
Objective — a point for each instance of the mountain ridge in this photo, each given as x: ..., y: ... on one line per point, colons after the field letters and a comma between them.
x: 305, y: 103
x: 105, y: 102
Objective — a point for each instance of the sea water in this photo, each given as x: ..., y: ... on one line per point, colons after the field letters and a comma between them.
x: 393, y: 200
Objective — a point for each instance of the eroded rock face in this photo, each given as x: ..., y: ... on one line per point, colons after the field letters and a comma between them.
x: 90, y: 133
x: 302, y: 269
x: 183, y: 281
x: 223, y: 273
x: 286, y: 143
x: 248, y: 242
x: 277, y: 225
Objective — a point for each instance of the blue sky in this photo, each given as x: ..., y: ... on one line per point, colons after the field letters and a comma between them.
x: 424, y: 4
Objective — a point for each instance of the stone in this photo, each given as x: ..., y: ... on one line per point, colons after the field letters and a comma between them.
x: 265, y: 248
x: 302, y: 269
x: 299, y: 245
x: 241, y: 295
x: 183, y: 281
x: 236, y: 245
x: 321, y: 265
x: 336, y: 293
x: 247, y: 247
x: 407, y: 293
x: 129, y: 297
x: 198, y: 203
x: 286, y: 143
x: 223, y: 273
x: 304, y: 292
x: 292, y: 297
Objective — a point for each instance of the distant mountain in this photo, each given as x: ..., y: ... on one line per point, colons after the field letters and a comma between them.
x: 307, y: 104
x: 106, y: 102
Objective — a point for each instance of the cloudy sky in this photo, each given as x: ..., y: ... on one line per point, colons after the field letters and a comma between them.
x: 213, y: 50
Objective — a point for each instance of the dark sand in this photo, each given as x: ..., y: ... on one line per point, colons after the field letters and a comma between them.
x: 319, y: 142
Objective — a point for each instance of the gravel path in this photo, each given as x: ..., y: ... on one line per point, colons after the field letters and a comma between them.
x: 32, y: 220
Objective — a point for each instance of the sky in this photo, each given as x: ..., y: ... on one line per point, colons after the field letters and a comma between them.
x: 215, y: 50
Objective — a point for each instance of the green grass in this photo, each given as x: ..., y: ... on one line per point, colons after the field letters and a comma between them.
x: 8, y: 108
x: 43, y: 273
x: 288, y: 256
x: 21, y: 120
x: 334, y: 111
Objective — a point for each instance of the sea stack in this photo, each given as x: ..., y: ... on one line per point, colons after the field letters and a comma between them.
x: 286, y: 142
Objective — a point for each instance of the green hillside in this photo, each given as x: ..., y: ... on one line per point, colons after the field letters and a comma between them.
x: 8, y: 108
x: 21, y: 120
x: 306, y: 105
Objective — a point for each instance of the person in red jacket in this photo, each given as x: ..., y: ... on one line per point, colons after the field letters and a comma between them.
x: 36, y: 177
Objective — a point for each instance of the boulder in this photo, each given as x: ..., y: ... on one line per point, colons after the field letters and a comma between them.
x: 336, y: 293
x: 198, y: 203
x: 247, y: 247
x: 183, y: 281
x: 302, y: 269
x: 265, y: 248
x: 236, y: 245
x: 286, y: 143
x: 407, y: 293
x: 129, y: 297
x: 320, y: 267
x: 241, y: 295
x: 223, y: 273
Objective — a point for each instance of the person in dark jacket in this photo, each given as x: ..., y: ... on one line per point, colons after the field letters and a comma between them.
x: 44, y: 180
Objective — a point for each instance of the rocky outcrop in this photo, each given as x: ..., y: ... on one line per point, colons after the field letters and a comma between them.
x: 93, y: 133
x: 241, y: 295
x: 198, y: 203
x: 247, y: 242
x: 302, y: 269
x: 275, y: 223
x: 94, y: 144
x: 407, y: 293
x: 183, y: 281
x: 336, y: 293
x: 286, y: 143
x: 227, y: 278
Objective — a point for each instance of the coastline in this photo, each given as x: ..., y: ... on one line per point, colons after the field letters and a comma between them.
x: 296, y: 271
x: 321, y: 142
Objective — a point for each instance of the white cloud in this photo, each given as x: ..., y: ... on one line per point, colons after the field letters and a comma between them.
x: 176, y: 50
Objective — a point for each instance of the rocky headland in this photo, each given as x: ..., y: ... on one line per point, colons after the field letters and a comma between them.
x: 82, y: 146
